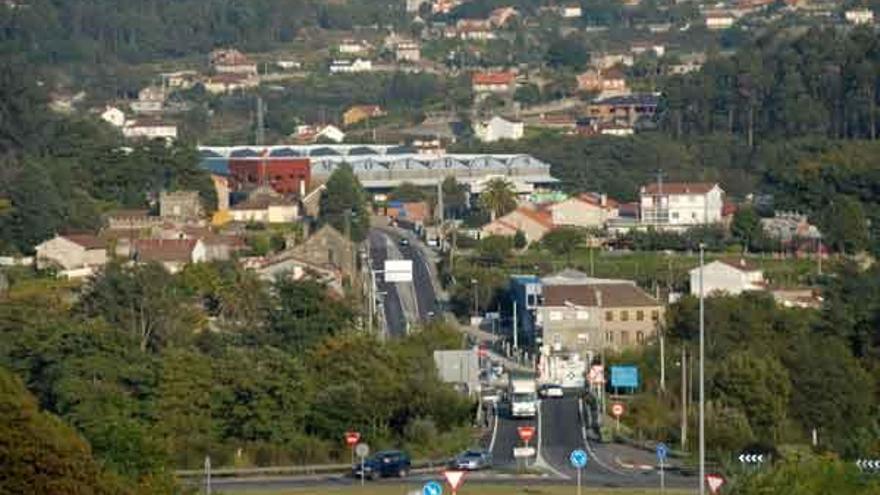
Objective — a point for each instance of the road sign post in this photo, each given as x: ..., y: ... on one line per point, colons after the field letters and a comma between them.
x: 578, y: 460
x: 362, y: 450
x: 526, y: 433
x: 714, y: 481
x: 207, y: 475
x: 617, y: 411
x: 351, y: 439
x: 454, y: 478
x: 432, y: 488
x: 662, y: 452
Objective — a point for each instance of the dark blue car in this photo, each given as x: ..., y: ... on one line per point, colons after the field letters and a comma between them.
x: 384, y: 464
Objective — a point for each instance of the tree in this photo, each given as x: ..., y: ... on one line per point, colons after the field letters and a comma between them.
x: 498, y: 198
x: 563, y: 241
x: 746, y: 227
x: 304, y: 314
x: 455, y: 196
x: 407, y: 192
x: 758, y: 386
x: 844, y: 225
x: 494, y: 249
x: 519, y: 239
x: 40, y: 453
x: 344, y: 203
x: 528, y: 94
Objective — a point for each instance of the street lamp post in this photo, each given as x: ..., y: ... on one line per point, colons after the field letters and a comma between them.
x: 702, y: 377
x: 476, y: 306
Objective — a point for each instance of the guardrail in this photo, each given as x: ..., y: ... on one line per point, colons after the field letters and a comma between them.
x: 300, y: 470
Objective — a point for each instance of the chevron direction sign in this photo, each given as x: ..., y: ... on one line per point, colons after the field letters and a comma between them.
x: 751, y: 458
x: 868, y: 464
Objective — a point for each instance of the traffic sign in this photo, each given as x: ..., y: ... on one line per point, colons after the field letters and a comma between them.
x: 526, y: 433
x: 398, y: 271
x: 362, y: 450
x: 523, y: 452
x: 751, y: 458
x: 578, y: 458
x: 714, y: 481
x: 868, y: 464
x: 597, y: 374
x: 662, y: 451
x: 352, y: 437
x: 617, y: 409
x: 432, y: 488
x: 454, y: 478
x: 624, y: 376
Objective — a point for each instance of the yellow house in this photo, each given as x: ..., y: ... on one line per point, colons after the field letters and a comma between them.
x: 360, y: 113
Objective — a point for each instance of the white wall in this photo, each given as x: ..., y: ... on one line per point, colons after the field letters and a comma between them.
x: 720, y: 277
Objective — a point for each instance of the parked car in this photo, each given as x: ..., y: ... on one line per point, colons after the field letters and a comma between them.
x: 472, y: 460
x: 550, y: 390
x: 384, y: 464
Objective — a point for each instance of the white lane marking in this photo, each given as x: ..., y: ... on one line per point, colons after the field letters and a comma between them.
x: 587, y: 443
x: 494, y: 429
x: 539, y: 461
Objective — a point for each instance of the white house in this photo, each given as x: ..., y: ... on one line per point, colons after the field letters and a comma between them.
x: 584, y: 210
x: 408, y: 51
x: 498, y: 128
x: 349, y: 47
x: 151, y: 99
x: 859, y: 16
x: 727, y: 277
x: 72, y: 252
x: 149, y: 129
x: 265, y: 207
x: 719, y: 20
x: 113, y: 116
x: 350, y: 67
x: 570, y: 11
x: 681, y: 205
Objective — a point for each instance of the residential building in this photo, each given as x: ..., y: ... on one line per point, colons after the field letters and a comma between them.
x: 472, y: 30
x: 182, y: 206
x: 859, y: 16
x: 149, y: 129
x: 498, y: 128
x: 604, y: 61
x: 351, y: 67
x: 113, y: 116
x: 288, y: 64
x: 412, y: 212
x: 413, y: 6
x: 329, y: 249
x: 609, y: 81
x: 232, y: 61
x: 730, y: 277
x: 74, y: 254
x: 717, y: 20
x: 688, y: 63
x: 360, y: 113
x: 226, y: 83
x: 589, y: 210
x: 173, y: 254
x: 444, y: 6
x: 306, y: 134
x: 408, y: 51
x: 789, y: 227
x: 151, y: 99
x: 642, y: 47
x: 572, y: 11
x: 131, y: 220
x: 624, y: 109
x: 533, y: 223
x: 353, y: 47
x: 183, y: 79
x: 494, y: 82
x: 681, y: 205
x: 502, y: 15
x: 264, y: 205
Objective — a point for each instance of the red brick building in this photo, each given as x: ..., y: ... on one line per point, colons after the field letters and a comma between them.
x: 286, y: 175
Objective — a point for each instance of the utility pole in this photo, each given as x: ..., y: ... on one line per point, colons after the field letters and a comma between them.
x: 702, y: 377
x: 260, y: 131
x: 515, y: 332
x: 684, y: 397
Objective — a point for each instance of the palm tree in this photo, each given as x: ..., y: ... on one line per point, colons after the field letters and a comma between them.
x: 498, y: 197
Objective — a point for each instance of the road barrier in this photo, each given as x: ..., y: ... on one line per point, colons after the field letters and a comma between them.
x: 299, y: 470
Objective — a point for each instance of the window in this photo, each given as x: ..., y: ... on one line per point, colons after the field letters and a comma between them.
x: 609, y: 337
x: 675, y: 215
x: 640, y: 337
x: 624, y: 316
x: 583, y: 315
x: 609, y: 316
x: 694, y: 215
x: 624, y: 338
x: 640, y: 315
x: 655, y: 315
x: 583, y: 338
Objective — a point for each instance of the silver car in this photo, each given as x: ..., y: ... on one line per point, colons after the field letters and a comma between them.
x: 472, y: 460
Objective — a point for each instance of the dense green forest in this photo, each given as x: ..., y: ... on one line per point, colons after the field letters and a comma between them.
x: 158, y: 370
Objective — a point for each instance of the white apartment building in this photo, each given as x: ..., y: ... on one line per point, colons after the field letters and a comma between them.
x: 498, y: 128
x: 350, y: 67
x: 859, y: 16
x: 681, y: 205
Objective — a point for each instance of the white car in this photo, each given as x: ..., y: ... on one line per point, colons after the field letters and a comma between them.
x: 551, y: 390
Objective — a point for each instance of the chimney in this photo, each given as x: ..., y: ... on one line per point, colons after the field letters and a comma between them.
x: 603, y: 199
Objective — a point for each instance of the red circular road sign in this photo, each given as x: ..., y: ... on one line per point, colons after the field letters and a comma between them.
x: 526, y: 433
x: 617, y: 409
x: 352, y: 437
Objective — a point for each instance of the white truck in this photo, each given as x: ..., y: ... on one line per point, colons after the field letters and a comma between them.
x: 523, y: 396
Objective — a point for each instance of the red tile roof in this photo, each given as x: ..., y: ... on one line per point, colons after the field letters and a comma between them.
x: 596, y: 200
x: 617, y: 295
x: 87, y: 241
x: 164, y: 250
x: 543, y: 217
x: 680, y: 187
x: 487, y: 78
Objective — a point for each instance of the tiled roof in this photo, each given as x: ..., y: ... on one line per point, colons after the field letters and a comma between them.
x: 486, y: 78
x: 617, y: 295
x: 87, y: 241
x: 164, y: 250
x: 679, y: 187
x: 543, y: 217
x: 261, y: 202
x: 128, y: 214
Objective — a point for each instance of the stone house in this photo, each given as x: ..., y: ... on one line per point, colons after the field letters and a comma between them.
x: 72, y: 252
x: 181, y: 206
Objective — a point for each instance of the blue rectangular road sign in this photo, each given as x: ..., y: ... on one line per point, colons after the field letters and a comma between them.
x: 625, y: 376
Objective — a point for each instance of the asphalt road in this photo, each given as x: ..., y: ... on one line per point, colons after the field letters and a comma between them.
x: 394, y: 315
x: 506, y: 437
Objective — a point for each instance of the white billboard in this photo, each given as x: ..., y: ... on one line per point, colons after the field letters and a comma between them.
x: 398, y: 271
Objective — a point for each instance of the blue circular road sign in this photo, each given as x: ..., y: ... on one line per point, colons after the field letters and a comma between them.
x: 432, y: 488
x: 578, y: 458
x: 662, y: 451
